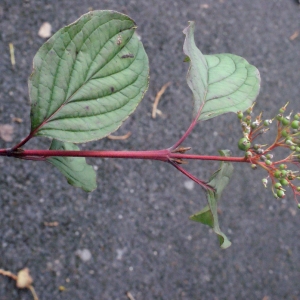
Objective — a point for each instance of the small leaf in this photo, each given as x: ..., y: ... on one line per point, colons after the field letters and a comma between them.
x: 88, y: 78
x: 75, y: 169
x: 186, y: 59
x: 222, y: 82
x: 209, y: 214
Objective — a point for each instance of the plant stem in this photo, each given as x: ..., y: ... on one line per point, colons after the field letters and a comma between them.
x: 192, y: 177
x: 208, y: 157
x: 23, y: 142
x: 161, y: 155
x: 189, y: 130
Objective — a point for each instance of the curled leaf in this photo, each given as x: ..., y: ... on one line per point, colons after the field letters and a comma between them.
x: 209, y: 214
x: 222, y: 82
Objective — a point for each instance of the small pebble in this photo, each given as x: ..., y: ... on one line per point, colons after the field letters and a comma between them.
x: 189, y: 185
x: 45, y: 30
x: 84, y: 254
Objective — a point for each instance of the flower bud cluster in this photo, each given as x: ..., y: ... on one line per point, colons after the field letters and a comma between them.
x: 288, y: 137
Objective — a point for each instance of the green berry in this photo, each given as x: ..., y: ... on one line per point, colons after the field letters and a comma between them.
x: 283, y: 173
x: 254, y: 125
x: 295, y: 124
x: 289, y: 142
x: 284, y: 133
x: 297, y: 116
x: 282, y: 110
x: 277, y: 185
x: 248, y: 154
x: 268, y: 162
x: 282, y: 166
x: 285, y: 121
x: 254, y: 166
x: 293, y: 148
x: 244, y: 144
x: 297, y: 149
x: 240, y: 115
x: 269, y: 156
x: 298, y: 188
x: 249, y: 110
x: 284, y: 182
x: 277, y: 174
x: 299, y: 205
x: 280, y: 193
x: 279, y: 117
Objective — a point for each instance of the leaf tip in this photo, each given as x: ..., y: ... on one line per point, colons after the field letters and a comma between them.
x: 191, y: 26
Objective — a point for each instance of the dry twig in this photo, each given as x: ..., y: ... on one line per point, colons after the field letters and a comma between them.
x: 51, y: 224
x: 157, y: 98
x: 12, y: 55
x: 294, y: 35
x: 23, y: 280
x: 129, y: 295
x: 119, y: 137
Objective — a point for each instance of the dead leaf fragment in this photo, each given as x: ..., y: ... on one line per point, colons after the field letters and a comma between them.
x: 45, y: 30
x: 24, y: 280
x: 6, y: 132
x: 294, y: 35
x: 12, y: 54
x: 205, y: 6
x: 17, y: 120
x: 51, y: 224
x: 119, y: 137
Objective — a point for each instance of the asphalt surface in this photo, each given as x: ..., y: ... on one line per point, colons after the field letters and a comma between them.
x: 132, y: 234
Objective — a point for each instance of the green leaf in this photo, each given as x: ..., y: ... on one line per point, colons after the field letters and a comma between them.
x: 88, y: 78
x: 209, y: 214
x: 221, y: 83
x: 75, y: 169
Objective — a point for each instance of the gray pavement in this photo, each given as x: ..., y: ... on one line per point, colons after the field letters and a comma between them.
x: 135, y: 225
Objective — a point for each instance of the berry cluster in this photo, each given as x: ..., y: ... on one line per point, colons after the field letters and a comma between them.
x: 288, y: 130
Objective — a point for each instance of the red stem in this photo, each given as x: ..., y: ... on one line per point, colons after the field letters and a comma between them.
x: 208, y: 157
x: 192, y: 177
x: 162, y: 155
x: 191, y: 127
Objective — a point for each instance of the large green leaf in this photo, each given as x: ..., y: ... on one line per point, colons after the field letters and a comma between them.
x: 88, y: 78
x: 209, y: 214
x: 75, y: 169
x: 221, y: 82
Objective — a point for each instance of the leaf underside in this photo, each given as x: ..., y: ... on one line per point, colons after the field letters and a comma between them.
x: 221, y: 83
x: 209, y: 214
x: 75, y: 169
x: 88, y: 78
